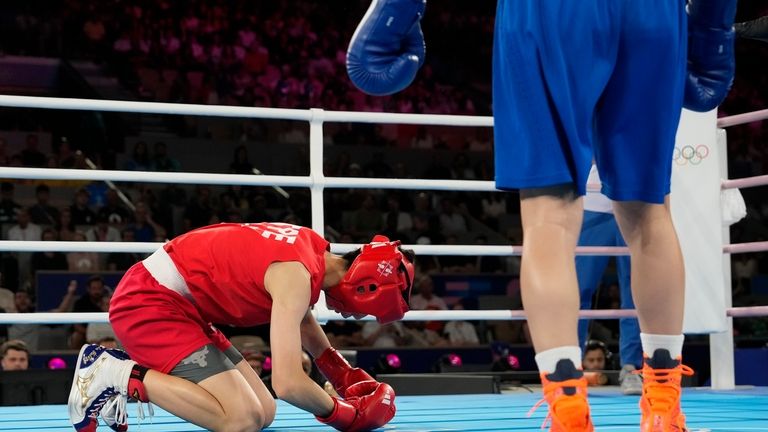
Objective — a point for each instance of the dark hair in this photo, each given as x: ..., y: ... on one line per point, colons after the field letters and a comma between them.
x: 106, y: 339
x: 94, y: 278
x: 42, y: 187
x: 594, y: 344
x: 13, y: 344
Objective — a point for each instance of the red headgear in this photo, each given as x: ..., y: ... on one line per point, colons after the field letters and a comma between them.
x: 378, y: 283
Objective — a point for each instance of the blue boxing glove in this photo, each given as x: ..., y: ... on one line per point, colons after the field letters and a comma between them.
x: 711, y: 61
x: 387, y: 48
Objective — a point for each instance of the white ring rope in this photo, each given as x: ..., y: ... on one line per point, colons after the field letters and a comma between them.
x: 742, y: 118
x: 457, y: 250
x: 237, y: 111
x: 252, y: 180
x: 421, y: 315
x: 154, y: 177
x: 282, y: 113
x: 746, y: 182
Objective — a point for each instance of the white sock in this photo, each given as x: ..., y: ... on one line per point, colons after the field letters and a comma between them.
x: 547, y: 360
x: 671, y: 343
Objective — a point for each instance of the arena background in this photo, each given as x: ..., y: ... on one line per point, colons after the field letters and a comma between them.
x: 288, y: 54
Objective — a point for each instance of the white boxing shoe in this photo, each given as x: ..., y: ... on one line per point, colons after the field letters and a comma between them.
x: 100, y: 382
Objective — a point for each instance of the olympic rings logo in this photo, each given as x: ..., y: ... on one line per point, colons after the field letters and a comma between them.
x: 690, y: 154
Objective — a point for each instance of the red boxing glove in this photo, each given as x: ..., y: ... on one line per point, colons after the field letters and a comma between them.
x: 341, y: 375
x: 362, y: 413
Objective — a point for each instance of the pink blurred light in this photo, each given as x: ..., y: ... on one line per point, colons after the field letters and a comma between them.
x: 393, y: 361
x: 454, y: 360
x: 57, y: 363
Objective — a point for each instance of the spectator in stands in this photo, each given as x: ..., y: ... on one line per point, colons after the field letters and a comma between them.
x: 418, y: 334
x: 423, y: 139
x: 343, y: 333
x: 91, y: 301
x: 65, y: 226
x: 7, y: 300
x: 494, y: 205
x: 14, y: 355
x: 143, y: 226
x: 80, y: 210
x: 43, y: 213
x: 48, y: 260
x: 384, y: 336
x: 24, y: 230
x: 173, y: 195
x: 108, y: 342
x: 96, y: 332
x: 425, y: 298
x: 30, y: 333
x: 199, y: 211
x: 240, y: 163
x: 396, y: 221
x: 595, y: 356
x: 744, y: 269
x: 8, y: 207
x: 113, y: 209
x: 452, y: 217
x: 140, y: 160
x: 456, y: 263
x: 102, y: 231
x: 366, y: 220
x: 481, y: 141
x: 461, y: 169
x: 460, y: 333
x: 82, y: 261
x: 228, y: 208
x: 121, y: 261
x: 94, y: 37
x: 65, y: 157
x: 31, y: 156
x: 161, y: 161
x: 340, y: 165
x: 259, y: 207
x: 487, y: 263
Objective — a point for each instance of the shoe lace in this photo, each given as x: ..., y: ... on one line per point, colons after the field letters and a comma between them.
x: 119, y: 405
x: 564, y: 406
x: 150, y: 411
x: 662, y: 386
x: 101, y: 404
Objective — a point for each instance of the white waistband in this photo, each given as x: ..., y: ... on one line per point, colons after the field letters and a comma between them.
x: 161, y: 267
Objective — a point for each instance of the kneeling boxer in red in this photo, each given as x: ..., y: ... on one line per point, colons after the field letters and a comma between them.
x: 241, y: 275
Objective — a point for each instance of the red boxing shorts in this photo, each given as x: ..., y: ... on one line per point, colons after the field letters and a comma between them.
x: 158, y: 327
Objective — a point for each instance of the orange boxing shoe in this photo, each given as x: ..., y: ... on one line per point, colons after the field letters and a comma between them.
x: 660, y: 402
x: 565, y: 391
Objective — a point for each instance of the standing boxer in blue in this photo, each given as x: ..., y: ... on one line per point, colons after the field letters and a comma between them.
x: 599, y: 228
x: 573, y: 80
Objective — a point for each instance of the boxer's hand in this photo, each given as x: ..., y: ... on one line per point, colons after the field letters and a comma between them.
x: 387, y: 47
x: 339, y: 373
x: 711, y: 59
x: 363, y: 413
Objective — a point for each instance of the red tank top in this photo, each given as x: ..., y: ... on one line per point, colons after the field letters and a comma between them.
x: 224, y: 265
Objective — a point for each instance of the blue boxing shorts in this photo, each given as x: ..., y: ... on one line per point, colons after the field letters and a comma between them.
x: 577, y: 79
